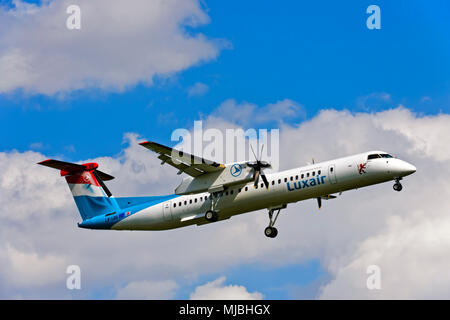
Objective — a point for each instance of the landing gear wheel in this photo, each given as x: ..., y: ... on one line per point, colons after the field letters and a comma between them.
x: 397, y: 186
x: 211, y: 216
x: 271, y: 232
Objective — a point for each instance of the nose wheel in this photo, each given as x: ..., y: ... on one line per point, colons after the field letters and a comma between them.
x: 397, y: 185
x: 271, y: 232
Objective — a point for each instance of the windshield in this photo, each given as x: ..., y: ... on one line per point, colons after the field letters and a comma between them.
x: 375, y: 156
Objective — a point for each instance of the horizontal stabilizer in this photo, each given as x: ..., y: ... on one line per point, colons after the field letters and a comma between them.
x: 73, y: 168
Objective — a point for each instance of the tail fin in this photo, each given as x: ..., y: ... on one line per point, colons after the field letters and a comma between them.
x: 91, y: 195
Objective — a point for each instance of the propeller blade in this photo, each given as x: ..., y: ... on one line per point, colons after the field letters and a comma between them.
x: 260, y: 156
x: 256, y: 177
x: 266, y: 183
x: 100, y: 181
x: 319, y: 202
x: 253, y: 151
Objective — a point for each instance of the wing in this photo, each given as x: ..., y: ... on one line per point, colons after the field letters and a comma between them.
x: 184, y: 162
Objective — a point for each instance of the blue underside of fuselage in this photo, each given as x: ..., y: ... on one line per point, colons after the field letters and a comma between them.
x: 106, y: 212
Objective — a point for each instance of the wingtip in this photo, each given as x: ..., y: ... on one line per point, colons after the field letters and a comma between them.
x: 144, y: 142
x: 43, y: 162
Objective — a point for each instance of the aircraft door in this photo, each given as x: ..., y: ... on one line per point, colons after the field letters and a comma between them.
x: 332, y: 173
x: 167, y: 210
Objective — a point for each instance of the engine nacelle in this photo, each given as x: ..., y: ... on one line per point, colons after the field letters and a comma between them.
x: 232, y: 174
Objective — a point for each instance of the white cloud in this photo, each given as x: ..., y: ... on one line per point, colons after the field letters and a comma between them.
x: 373, y: 100
x: 217, y: 290
x: 29, y: 269
x: 412, y: 255
x: 36, y: 145
x: 405, y: 233
x: 249, y: 114
x: 426, y: 99
x: 198, y: 89
x: 149, y: 290
x: 120, y: 44
x: 425, y: 133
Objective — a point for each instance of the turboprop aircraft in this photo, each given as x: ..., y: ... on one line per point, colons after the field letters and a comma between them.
x: 216, y: 191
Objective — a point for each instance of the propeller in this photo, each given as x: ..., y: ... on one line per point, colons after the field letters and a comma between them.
x: 258, y: 166
x: 319, y: 199
x: 327, y: 197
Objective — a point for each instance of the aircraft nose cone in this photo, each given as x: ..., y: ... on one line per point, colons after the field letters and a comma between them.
x: 408, y: 169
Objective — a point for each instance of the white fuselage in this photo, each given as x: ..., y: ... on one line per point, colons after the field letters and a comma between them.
x: 289, y: 186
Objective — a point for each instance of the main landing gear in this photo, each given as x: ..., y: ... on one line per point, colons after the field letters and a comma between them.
x: 211, y: 216
x: 397, y: 185
x: 271, y: 231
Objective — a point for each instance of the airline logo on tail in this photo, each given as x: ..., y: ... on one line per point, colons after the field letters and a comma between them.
x: 85, y: 181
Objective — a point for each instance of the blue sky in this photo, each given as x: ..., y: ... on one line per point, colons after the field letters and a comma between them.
x: 317, y: 53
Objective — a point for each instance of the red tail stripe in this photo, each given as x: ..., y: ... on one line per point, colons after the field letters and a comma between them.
x: 84, y: 178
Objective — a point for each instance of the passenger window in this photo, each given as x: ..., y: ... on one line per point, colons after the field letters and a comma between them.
x: 296, y: 177
x: 231, y: 192
x: 190, y: 201
x: 226, y: 193
x: 292, y: 178
x: 239, y: 190
x: 285, y: 179
x: 307, y: 174
x: 174, y: 205
x: 314, y: 173
x: 303, y: 175
x: 262, y: 185
x: 279, y: 181
x: 246, y: 188
x: 318, y: 172
x: 185, y: 202
x: 273, y: 182
x: 195, y: 200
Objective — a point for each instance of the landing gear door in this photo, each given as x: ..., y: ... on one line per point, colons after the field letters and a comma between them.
x: 332, y: 173
x: 167, y: 210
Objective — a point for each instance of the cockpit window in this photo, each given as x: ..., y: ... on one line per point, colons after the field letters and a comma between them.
x: 385, y: 155
x: 373, y: 156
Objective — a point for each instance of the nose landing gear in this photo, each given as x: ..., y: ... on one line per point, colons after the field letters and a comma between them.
x: 271, y: 232
x: 397, y: 185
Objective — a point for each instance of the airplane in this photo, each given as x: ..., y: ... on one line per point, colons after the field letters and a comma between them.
x: 215, y: 191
